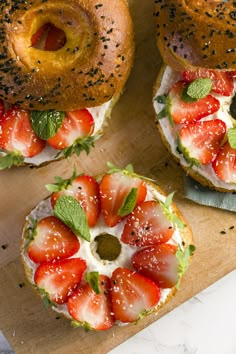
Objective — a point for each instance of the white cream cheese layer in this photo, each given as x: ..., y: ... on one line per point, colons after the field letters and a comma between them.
x: 99, y: 114
x: 87, y: 249
x: 168, y: 79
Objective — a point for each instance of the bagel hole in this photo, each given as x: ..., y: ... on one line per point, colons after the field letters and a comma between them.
x: 108, y: 247
x: 48, y: 38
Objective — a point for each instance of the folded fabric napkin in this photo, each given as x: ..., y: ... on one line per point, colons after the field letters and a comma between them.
x: 203, y: 195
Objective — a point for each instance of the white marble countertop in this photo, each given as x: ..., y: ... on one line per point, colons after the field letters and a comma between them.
x: 203, y: 325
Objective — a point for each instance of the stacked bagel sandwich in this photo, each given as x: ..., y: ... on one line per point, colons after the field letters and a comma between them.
x: 63, y: 65
x: 194, y: 95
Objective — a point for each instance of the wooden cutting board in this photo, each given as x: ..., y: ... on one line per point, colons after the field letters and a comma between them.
x: 131, y: 137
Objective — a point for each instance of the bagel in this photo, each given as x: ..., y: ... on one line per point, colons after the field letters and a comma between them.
x: 60, y: 57
x: 87, y: 71
x: 108, y: 261
x: 198, y: 129
x: 196, y: 33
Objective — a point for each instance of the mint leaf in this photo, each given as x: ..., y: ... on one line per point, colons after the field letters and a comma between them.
x: 45, y: 296
x: 232, y: 137
x: 93, y: 280
x: 46, y: 123
x: 183, y: 257
x: 199, y: 88
x: 129, y: 203
x: 60, y: 183
x: 10, y: 159
x: 169, y: 213
x: 69, y: 211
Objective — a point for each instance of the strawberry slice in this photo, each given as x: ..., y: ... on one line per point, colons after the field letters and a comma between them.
x: 55, y: 39
x: 17, y: 134
x: 85, y: 189
x: 183, y: 112
x: 114, y: 188
x: 38, y: 35
x: 147, y: 225
x: 132, y: 294
x: 225, y: 164
x: 52, y: 240
x: 158, y: 263
x: 222, y: 82
x: 92, y: 310
x: 200, y: 141
x: 75, y: 126
x: 58, y: 279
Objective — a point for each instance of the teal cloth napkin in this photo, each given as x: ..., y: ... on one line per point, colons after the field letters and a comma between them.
x: 203, y: 195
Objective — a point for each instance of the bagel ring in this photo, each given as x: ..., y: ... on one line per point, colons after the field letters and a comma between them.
x: 87, y: 71
x: 196, y: 33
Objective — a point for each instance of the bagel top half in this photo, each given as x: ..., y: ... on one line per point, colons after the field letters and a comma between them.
x: 197, y: 33
x: 87, y: 71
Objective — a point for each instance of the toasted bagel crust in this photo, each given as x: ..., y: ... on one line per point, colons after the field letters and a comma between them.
x: 87, y: 71
x: 197, y: 33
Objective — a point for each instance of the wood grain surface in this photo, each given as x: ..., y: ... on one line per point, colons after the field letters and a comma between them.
x: 130, y: 137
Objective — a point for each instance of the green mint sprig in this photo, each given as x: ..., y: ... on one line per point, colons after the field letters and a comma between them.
x: 79, y: 145
x: 129, y: 203
x: 231, y: 133
x: 93, y: 280
x: 197, y: 89
x: 10, y: 159
x: 46, y: 123
x: 69, y: 211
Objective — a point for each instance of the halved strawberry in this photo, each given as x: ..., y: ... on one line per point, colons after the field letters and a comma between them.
x: 17, y: 134
x: 85, y: 189
x: 225, y: 164
x: 147, y: 225
x: 58, y: 279
x: 52, y: 240
x: 183, y: 112
x: 114, y: 188
x: 38, y: 34
x: 132, y: 294
x: 158, y: 263
x: 76, y: 126
x: 200, y: 141
x: 222, y: 81
x: 55, y: 39
x: 92, y: 310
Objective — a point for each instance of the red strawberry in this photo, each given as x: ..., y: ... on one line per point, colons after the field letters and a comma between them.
x: 59, y: 278
x: 86, y: 190
x: 222, y: 80
x: 17, y: 134
x: 38, y: 35
x: 147, y: 225
x: 91, y: 309
x: 225, y: 164
x: 52, y: 240
x: 158, y: 263
x: 114, y: 188
x: 183, y: 112
x: 55, y: 39
x: 200, y: 141
x: 233, y: 73
x: 132, y: 294
x: 76, y: 125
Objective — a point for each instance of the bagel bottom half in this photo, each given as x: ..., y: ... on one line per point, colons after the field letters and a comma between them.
x: 168, y: 130
x: 181, y: 239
